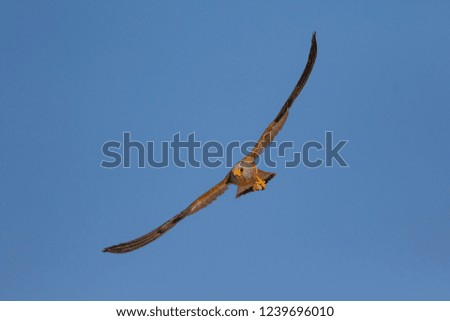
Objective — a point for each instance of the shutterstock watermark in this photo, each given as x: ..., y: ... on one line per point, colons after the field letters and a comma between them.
x: 183, y: 153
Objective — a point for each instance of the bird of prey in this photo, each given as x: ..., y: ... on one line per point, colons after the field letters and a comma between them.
x: 244, y: 174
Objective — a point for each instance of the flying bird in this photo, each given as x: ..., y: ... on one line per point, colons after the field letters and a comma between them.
x: 244, y: 174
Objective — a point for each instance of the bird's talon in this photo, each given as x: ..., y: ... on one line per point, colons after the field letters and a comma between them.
x: 259, y: 185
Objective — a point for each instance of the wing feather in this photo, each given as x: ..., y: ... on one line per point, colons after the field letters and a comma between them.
x: 201, y: 202
x: 277, y: 124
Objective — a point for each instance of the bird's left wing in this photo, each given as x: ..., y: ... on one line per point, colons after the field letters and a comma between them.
x: 201, y: 202
x: 276, y: 125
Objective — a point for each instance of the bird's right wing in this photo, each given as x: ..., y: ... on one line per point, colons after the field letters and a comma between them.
x: 277, y: 124
x: 201, y: 202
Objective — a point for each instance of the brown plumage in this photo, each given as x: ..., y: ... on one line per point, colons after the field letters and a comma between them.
x: 244, y: 174
x: 276, y: 125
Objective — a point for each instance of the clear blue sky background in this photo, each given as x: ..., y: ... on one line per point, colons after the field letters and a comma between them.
x: 76, y: 74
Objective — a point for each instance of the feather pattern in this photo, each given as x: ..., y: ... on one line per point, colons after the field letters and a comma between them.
x: 201, y: 202
x: 277, y: 124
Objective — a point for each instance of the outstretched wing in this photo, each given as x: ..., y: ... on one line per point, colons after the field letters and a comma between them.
x: 276, y: 125
x: 201, y: 202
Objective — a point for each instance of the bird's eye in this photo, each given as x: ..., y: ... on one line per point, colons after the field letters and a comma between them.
x: 241, y: 169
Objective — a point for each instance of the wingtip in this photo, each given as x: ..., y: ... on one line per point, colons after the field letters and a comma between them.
x: 112, y: 251
x: 314, y: 36
x: 108, y: 250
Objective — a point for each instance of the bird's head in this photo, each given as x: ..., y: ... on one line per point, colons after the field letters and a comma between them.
x: 243, y: 171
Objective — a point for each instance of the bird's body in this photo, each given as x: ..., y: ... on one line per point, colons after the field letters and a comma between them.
x: 245, y: 174
x: 249, y: 178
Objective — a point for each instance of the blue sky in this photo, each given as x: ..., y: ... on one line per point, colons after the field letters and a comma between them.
x: 74, y: 75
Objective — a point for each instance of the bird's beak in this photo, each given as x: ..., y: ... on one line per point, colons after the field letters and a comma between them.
x: 237, y: 172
